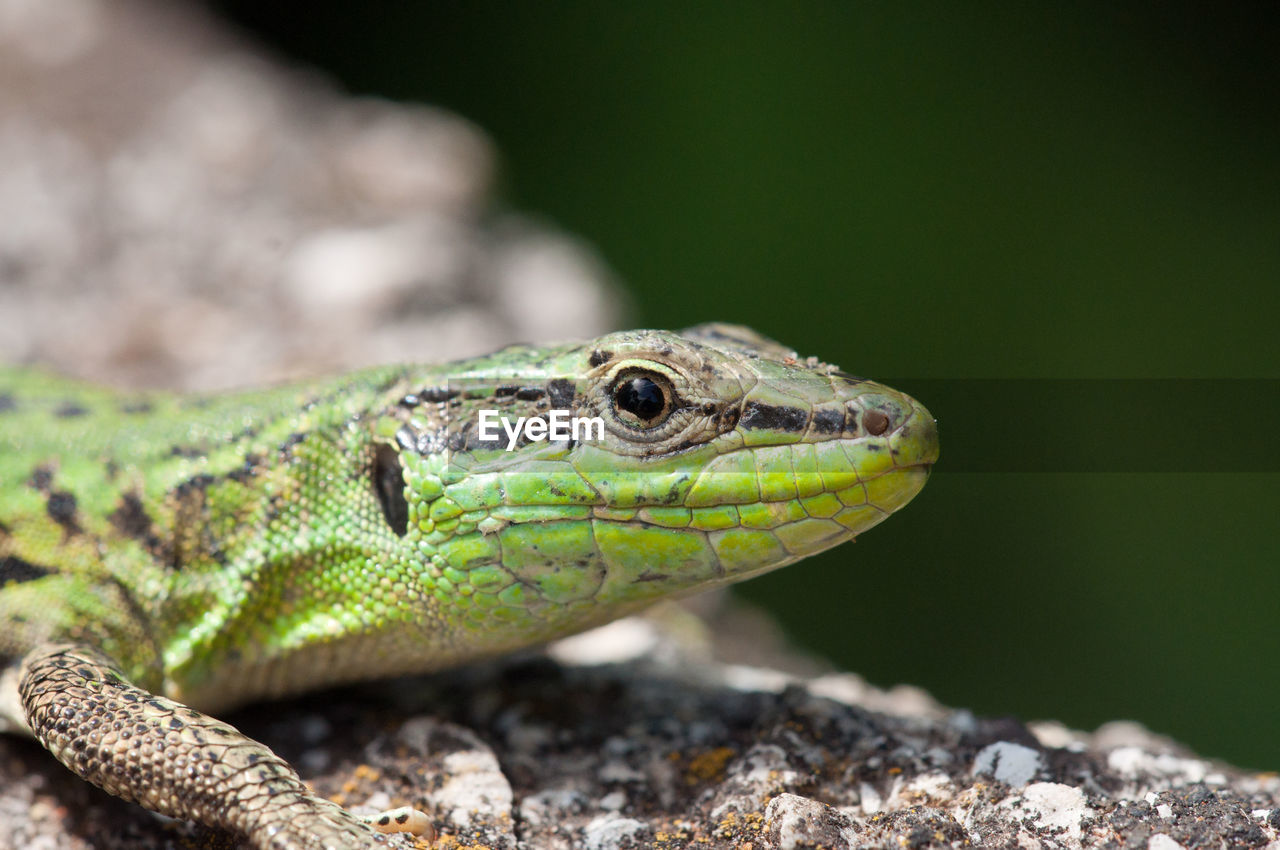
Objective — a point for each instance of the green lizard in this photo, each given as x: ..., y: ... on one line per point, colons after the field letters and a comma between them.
x: 162, y: 557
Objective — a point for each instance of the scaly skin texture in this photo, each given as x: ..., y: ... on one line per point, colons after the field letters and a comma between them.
x: 212, y: 551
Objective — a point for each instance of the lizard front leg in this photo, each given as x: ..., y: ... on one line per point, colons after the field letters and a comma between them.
x: 173, y: 759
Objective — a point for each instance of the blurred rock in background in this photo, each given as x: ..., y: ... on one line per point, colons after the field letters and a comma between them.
x: 180, y: 211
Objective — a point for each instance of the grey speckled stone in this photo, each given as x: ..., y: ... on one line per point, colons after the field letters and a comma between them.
x: 670, y: 750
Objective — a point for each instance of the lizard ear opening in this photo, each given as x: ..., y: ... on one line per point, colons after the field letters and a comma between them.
x: 388, y: 483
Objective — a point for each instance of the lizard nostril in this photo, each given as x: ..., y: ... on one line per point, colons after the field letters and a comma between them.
x: 876, y: 422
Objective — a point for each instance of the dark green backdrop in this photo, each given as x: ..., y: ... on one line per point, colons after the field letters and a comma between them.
x: 929, y: 194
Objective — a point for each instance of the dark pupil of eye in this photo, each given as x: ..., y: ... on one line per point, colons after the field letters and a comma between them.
x: 641, y: 397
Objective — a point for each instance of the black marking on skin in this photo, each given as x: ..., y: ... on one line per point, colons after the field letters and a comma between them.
x: 248, y: 470
x: 286, y: 448
x: 406, y: 439
x: 14, y: 570
x: 530, y: 393
x: 70, y: 410
x: 130, y: 519
x: 672, y: 496
x: 599, y: 358
x: 61, y: 506
x: 41, y: 478
x: 828, y: 421
x: 189, y: 452
x: 476, y: 442
x: 196, y: 484
x: 388, y: 483
x: 774, y: 417
x: 461, y: 439
x: 193, y: 540
x: 7, y: 402
x: 138, y: 407
x: 504, y: 391
x: 437, y: 395
x: 845, y: 376
x: 561, y: 392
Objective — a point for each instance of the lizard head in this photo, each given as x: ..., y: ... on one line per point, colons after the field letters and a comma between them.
x: 554, y: 488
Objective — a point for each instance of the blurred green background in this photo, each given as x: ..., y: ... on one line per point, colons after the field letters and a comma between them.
x: 928, y: 193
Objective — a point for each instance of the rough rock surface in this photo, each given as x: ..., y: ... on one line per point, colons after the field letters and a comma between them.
x: 623, y: 738
x: 177, y: 210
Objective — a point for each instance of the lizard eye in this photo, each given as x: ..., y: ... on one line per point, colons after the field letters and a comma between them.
x: 388, y: 483
x: 643, y: 399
